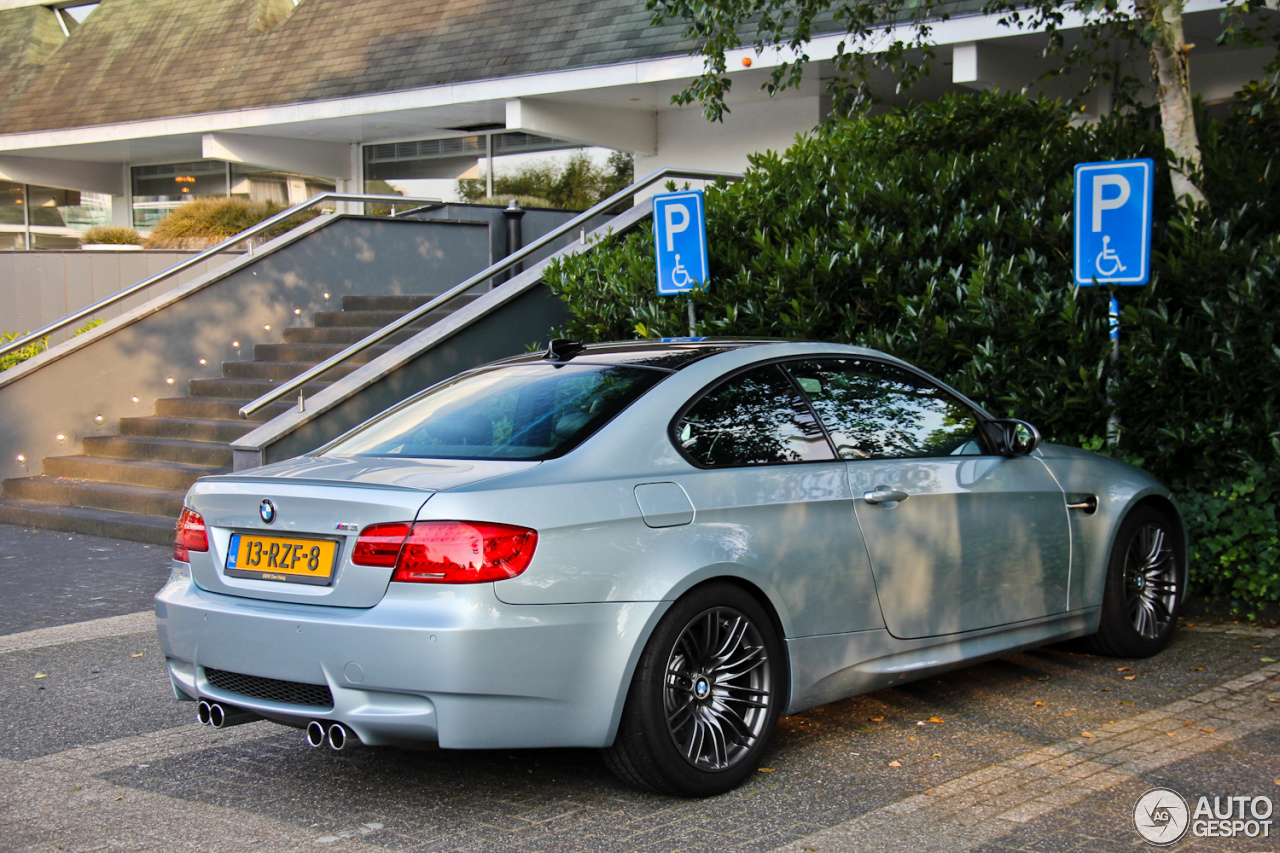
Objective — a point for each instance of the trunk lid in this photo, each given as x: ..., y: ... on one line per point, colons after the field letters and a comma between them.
x: 317, y: 501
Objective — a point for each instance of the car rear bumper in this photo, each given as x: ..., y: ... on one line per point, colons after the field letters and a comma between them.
x: 450, y: 665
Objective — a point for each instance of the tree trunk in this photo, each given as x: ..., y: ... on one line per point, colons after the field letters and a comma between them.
x: 1170, y: 66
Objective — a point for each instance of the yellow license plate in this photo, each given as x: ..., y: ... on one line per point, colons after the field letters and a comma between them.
x: 281, y: 558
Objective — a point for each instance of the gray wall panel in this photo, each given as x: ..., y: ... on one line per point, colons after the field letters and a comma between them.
x: 98, y: 372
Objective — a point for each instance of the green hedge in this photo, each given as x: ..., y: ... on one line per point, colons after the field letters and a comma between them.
x: 942, y: 234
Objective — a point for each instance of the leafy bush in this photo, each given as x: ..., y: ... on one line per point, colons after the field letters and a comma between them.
x: 204, y: 222
x: 36, y: 347
x: 1235, y: 554
x: 111, y: 235
x: 526, y: 201
x: 20, y: 355
x: 942, y: 234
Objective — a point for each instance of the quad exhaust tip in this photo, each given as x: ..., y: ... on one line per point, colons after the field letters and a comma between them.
x: 336, y: 735
x: 222, y: 716
x: 316, y: 735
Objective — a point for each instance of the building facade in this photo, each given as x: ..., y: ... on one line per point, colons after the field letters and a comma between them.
x: 120, y: 110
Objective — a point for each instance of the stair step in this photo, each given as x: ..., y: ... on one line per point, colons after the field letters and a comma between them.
x: 159, y: 449
x: 137, y: 472
x: 150, y: 529
x: 343, y: 336
x: 194, y: 429
x: 359, y: 302
x: 404, y: 304
x: 217, y: 408
x: 91, y: 494
x: 279, y: 371
x: 374, y: 319
x: 246, y: 389
x: 313, y: 353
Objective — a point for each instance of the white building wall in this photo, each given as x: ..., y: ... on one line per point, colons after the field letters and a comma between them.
x: 687, y: 140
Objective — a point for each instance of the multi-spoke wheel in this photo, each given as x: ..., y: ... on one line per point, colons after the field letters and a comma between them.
x: 705, y: 697
x: 1144, y: 586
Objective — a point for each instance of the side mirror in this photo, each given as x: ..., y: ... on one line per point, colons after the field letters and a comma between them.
x: 1015, y: 437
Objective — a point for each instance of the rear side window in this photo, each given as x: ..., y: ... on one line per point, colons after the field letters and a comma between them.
x: 875, y: 410
x: 755, y: 418
x: 529, y: 411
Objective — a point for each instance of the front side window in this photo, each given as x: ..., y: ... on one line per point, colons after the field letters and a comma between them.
x: 528, y: 411
x: 755, y: 418
x: 875, y: 410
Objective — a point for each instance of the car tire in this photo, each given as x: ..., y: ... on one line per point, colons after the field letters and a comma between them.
x: 705, y: 697
x: 1144, y: 588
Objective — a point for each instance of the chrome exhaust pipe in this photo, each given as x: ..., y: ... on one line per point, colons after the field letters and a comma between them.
x: 225, y: 716
x: 340, y: 738
x: 204, y: 712
x: 316, y: 735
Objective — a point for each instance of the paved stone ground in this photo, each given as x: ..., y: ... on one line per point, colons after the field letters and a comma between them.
x: 49, y: 578
x: 96, y: 755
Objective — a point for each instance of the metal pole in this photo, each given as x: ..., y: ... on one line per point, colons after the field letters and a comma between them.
x: 488, y: 165
x: 515, y: 241
x: 693, y: 319
x: 1113, y: 419
x: 26, y: 218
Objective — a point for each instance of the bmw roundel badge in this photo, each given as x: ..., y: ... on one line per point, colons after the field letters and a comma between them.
x: 267, y: 510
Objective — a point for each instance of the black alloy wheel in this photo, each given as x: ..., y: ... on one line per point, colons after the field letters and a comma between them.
x: 1144, y: 587
x: 705, y: 697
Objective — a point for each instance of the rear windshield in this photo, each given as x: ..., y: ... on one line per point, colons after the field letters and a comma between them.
x: 528, y: 411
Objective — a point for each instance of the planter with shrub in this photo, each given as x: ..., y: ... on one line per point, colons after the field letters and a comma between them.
x: 111, y: 237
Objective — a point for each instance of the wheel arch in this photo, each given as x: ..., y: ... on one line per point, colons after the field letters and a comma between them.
x: 1168, y: 506
x: 746, y: 585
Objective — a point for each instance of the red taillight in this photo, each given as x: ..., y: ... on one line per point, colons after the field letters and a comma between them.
x: 379, y: 544
x: 190, y: 535
x: 447, y: 551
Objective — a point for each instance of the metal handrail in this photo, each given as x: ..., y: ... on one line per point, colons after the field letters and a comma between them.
x: 248, y: 233
x: 487, y: 273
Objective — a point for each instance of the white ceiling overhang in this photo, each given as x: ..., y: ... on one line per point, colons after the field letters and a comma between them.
x: 613, y: 106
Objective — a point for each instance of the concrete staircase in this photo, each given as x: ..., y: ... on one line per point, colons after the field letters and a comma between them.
x: 131, y: 485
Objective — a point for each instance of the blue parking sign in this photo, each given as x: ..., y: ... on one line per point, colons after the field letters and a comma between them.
x: 680, y: 241
x: 1113, y: 222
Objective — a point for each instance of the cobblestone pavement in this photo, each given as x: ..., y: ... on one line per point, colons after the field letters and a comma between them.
x: 49, y: 578
x: 1042, y: 751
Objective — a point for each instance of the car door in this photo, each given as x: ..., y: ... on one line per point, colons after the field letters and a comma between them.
x: 772, y: 498
x: 959, y: 537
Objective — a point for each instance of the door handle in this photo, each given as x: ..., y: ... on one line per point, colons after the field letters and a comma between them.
x: 884, y: 495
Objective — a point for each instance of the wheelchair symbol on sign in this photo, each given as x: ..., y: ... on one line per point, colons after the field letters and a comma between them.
x: 1107, y: 256
x: 680, y: 276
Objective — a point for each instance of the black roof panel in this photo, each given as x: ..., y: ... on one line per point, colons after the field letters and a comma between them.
x: 669, y: 354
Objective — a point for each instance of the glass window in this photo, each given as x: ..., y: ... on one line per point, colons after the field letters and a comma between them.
x: 878, y: 411
x: 756, y: 418
x: 159, y: 189
x: 529, y: 411
x: 51, y: 217
x: 13, y: 233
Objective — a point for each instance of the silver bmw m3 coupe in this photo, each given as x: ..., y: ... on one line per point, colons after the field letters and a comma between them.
x: 655, y: 549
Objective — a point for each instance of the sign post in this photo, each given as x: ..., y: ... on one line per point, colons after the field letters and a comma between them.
x: 1113, y: 202
x: 680, y: 244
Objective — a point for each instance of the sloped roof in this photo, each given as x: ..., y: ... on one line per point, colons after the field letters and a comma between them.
x: 145, y: 59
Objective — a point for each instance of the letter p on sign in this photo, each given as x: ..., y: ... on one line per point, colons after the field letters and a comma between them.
x: 1100, y: 200
x: 672, y: 212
